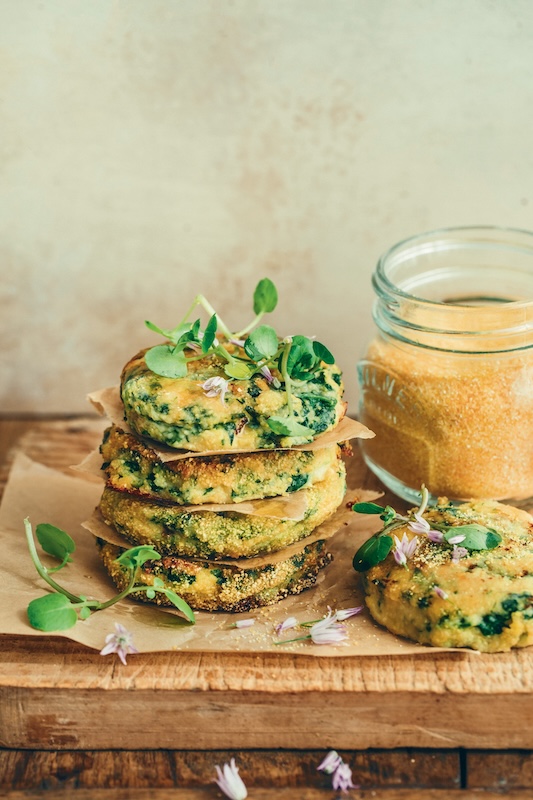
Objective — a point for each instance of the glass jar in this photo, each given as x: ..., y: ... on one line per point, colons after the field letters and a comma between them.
x: 447, y: 383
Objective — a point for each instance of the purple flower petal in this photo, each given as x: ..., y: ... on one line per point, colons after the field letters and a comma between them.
x: 345, y: 613
x: 342, y: 778
x: 244, y: 623
x: 440, y: 593
x: 330, y: 763
x: 457, y: 539
x: 290, y: 622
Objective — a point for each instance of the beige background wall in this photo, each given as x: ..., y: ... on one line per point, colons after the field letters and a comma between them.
x: 152, y: 149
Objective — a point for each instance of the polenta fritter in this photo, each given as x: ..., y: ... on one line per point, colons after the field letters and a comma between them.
x: 207, y: 586
x: 449, y: 596
x: 182, y: 413
x: 224, y: 534
x: 130, y: 466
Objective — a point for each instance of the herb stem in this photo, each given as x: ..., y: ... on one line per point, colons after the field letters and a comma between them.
x: 249, y: 327
x: 43, y: 572
x: 296, y: 639
x: 285, y: 374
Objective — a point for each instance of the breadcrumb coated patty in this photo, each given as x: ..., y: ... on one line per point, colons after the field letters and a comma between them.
x: 178, y: 412
x: 209, y: 534
x: 131, y: 466
x: 484, y: 601
x: 206, y: 586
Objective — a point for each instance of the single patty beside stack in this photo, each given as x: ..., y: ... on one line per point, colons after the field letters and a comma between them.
x: 220, y: 558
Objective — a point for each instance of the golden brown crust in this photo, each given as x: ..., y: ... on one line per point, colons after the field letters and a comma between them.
x: 206, y: 587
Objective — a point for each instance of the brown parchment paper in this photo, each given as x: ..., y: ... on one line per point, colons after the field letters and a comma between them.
x: 108, y: 403
x: 44, y: 495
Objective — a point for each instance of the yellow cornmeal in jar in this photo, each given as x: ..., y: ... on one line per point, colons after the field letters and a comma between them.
x: 460, y: 423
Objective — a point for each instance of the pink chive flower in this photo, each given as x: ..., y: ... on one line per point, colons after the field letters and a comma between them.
x: 230, y: 782
x: 216, y: 386
x: 404, y: 549
x: 440, y: 593
x: 421, y: 525
x: 290, y: 622
x: 342, y: 778
x: 238, y: 342
x: 345, y: 613
x: 327, y: 631
x: 458, y: 553
x: 330, y: 762
x: 435, y: 536
x: 244, y: 623
x: 120, y: 642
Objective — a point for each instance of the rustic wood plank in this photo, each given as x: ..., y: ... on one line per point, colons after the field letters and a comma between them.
x: 59, y: 718
x: 500, y: 771
x: 261, y: 768
x: 276, y: 793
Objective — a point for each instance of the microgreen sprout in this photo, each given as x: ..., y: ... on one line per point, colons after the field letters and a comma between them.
x: 254, y: 350
x: 471, y: 536
x: 61, y: 609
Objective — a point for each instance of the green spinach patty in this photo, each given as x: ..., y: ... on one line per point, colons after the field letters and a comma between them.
x: 482, y: 599
x: 206, y: 586
x: 181, y: 413
x: 130, y: 466
x: 224, y: 534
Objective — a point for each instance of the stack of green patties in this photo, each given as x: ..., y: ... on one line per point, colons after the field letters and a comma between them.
x: 209, y: 467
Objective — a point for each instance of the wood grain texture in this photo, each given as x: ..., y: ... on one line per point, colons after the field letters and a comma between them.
x: 276, y: 793
x: 57, y: 694
x: 259, y: 768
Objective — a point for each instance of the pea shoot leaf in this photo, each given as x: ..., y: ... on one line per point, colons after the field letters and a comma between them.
x: 179, y: 603
x: 209, y: 333
x: 238, y: 370
x: 53, y: 612
x: 477, y: 537
x: 265, y: 296
x: 302, y: 359
x: 372, y: 552
x: 166, y: 361
x: 262, y: 343
x: 367, y: 508
x: 55, y: 542
x: 322, y: 352
x: 136, y: 556
x: 288, y: 426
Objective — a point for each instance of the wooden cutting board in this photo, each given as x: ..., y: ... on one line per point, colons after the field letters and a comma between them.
x: 55, y: 694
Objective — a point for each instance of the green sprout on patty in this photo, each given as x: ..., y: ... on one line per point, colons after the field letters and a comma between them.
x: 256, y: 349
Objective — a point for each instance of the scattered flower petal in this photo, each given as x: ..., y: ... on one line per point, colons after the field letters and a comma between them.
x: 120, y: 642
x: 330, y: 762
x: 458, y: 553
x: 238, y: 342
x: 404, y: 549
x: 244, y: 623
x: 266, y: 373
x: 230, y: 782
x: 457, y: 539
x: 290, y: 622
x: 440, y: 593
x: 342, y: 778
x: 435, y: 536
x: 328, y: 631
x: 216, y: 386
x: 345, y: 613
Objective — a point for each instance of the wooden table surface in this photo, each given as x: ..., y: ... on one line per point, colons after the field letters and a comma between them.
x: 439, y: 725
